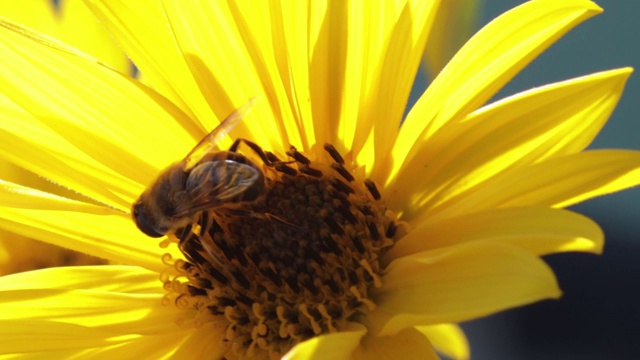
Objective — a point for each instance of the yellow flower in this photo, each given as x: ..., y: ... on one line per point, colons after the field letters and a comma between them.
x: 462, y: 201
x: 73, y: 23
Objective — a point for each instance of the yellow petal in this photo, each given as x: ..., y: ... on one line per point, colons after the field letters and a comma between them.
x: 448, y: 339
x: 295, y: 35
x: 397, y: 73
x: 205, y: 342
x: 120, y: 313
x: 140, y: 27
x: 368, y: 29
x: 484, y: 64
x: 326, y: 59
x: 42, y: 339
x: 130, y: 279
x: 283, y: 74
x: 51, y: 83
x: 36, y: 14
x: 81, y: 29
x: 19, y: 253
x: 558, y: 182
x: 162, y: 346
x: 461, y: 283
x: 25, y: 336
x: 551, y: 121
x: 83, y: 227
x: 42, y: 151
x: 70, y: 22
x: 77, y: 303
x: 453, y: 26
x: 215, y: 39
x: 337, y: 346
x: 408, y: 344
x: 540, y: 231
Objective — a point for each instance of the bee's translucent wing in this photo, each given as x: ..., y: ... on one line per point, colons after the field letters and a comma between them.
x: 214, y: 183
x: 209, y: 142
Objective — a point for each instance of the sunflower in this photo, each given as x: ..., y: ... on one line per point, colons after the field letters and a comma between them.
x: 362, y: 239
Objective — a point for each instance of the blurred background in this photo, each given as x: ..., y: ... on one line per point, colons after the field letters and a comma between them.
x: 598, y: 316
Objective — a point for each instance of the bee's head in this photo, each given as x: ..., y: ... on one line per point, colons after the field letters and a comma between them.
x: 146, y: 221
x: 155, y: 211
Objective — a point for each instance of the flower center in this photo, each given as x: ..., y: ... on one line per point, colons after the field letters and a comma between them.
x: 298, y: 263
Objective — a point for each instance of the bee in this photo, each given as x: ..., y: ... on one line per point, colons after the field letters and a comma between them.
x: 204, y: 180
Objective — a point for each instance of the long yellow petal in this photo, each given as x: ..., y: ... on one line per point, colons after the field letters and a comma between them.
x: 484, y: 64
x: 369, y: 26
x: 539, y: 230
x: 296, y: 35
x: 212, y: 39
x: 130, y: 279
x: 140, y: 27
x: 397, y: 74
x: 71, y: 22
x: 461, y: 282
x: 60, y: 302
x: 558, y: 182
x: 107, y: 129
x: 39, y: 15
x: 453, y: 26
x: 26, y: 336
x: 42, y: 339
x: 205, y: 342
x: 120, y: 313
x: 277, y: 69
x: 81, y: 29
x: 83, y: 227
x: 42, y: 151
x: 327, y: 58
x: 448, y: 339
x: 162, y: 346
x: 539, y: 124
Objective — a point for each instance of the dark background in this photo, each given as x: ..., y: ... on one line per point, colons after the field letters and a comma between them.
x: 598, y: 317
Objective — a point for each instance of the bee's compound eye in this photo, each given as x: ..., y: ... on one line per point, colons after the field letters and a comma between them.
x: 141, y: 218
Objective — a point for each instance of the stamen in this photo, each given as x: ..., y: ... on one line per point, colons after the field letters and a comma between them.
x: 293, y: 152
x: 342, y: 171
x: 371, y: 186
x: 310, y: 171
x: 334, y: 153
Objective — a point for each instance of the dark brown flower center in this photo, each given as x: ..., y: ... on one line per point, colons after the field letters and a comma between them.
x: 296, y: 264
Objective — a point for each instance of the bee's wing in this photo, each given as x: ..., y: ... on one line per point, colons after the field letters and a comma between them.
x: 213, y: 183
x: 209, y: 142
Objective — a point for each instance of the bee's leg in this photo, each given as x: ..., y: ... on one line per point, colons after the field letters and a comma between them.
x: 297, y: 156
x: 279, y: 219
x: 257, y: 149
x: 185, y: 235
x: 258, y: 215
x: 267, y: 157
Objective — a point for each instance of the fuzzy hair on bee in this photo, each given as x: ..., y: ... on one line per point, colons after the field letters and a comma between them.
x: 206, y: 179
